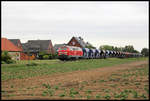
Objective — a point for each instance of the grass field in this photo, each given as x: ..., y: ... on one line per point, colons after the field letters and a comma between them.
x: 106, y: 79
x: 25, y: 69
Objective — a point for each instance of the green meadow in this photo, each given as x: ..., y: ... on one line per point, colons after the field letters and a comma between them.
x: 26, y: 68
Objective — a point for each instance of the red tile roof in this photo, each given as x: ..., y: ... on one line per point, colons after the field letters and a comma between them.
x: 7, y: 45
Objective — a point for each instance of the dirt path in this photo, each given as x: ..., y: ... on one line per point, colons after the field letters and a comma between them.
x: 66, y: 79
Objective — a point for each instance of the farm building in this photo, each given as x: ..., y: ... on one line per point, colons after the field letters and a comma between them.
x: 34, y: 47
x: 79, y: 42
x: 23, y: 56
x: 13, y: 50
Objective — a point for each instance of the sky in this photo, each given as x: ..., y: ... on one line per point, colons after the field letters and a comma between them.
x: 100, y: 23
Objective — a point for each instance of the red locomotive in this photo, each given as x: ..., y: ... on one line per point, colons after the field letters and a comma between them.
x: 69, y: 52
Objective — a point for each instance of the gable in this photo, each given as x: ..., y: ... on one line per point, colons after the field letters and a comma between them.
x: 74, y: 42
x: 16, y: 42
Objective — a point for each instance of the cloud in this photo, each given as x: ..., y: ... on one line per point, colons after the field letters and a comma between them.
x: 94, y: 21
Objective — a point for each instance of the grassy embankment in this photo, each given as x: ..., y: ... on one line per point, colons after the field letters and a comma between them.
x: 25, y: 69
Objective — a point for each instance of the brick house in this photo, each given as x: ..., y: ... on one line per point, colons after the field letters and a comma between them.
x: 79, y: 42
x: 37, y: 46
x: 14, y: 51
x: 23, y: 56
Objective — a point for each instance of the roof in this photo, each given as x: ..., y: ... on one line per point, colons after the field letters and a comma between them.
x: 88, y: 44
x: 14, y: 41
x: 7, y: 45
x: 80, y: 41
x: 36, y: 45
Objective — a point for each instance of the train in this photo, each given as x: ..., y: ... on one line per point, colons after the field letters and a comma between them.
x: 74, y: 53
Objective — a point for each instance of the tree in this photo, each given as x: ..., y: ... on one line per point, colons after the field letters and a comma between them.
x: 120, y: 48
x: 106, y: 47
x: 145, y: 51
x: 129, y: 48
x: 90, y: 47
x: 116, y: 49
x: 135, y: 51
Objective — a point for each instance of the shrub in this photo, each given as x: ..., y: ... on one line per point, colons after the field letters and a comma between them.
x: 41, y: 54
x: 50, y: 56
x: 46, y: 57
x: 55, y: 56
x: 3, y: 62
x: 6, y: 58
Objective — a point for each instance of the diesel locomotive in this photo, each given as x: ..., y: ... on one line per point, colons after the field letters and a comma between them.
x: 73, y: 52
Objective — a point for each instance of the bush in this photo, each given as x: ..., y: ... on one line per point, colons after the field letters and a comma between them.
x: 3, y: 62
x: 6, y: 58
x: 55, y: 55
x: 41, y: 54
x: 45, y: 56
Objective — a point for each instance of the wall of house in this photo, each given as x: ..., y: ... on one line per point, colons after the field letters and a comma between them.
x: 15, y: 55
x: 19, y: 45
x: 73, y: 42
x: 24, y: 56
x: 50, y: 48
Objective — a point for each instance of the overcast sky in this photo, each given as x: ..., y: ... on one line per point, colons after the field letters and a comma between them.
x: 100, y: 23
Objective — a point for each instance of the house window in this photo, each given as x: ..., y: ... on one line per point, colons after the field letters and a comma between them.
x: 73, y: 43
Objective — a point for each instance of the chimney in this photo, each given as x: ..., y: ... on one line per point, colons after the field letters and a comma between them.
x: 80, y: 38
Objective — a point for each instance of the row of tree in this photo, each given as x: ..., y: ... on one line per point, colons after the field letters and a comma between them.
x: 127, y: 48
